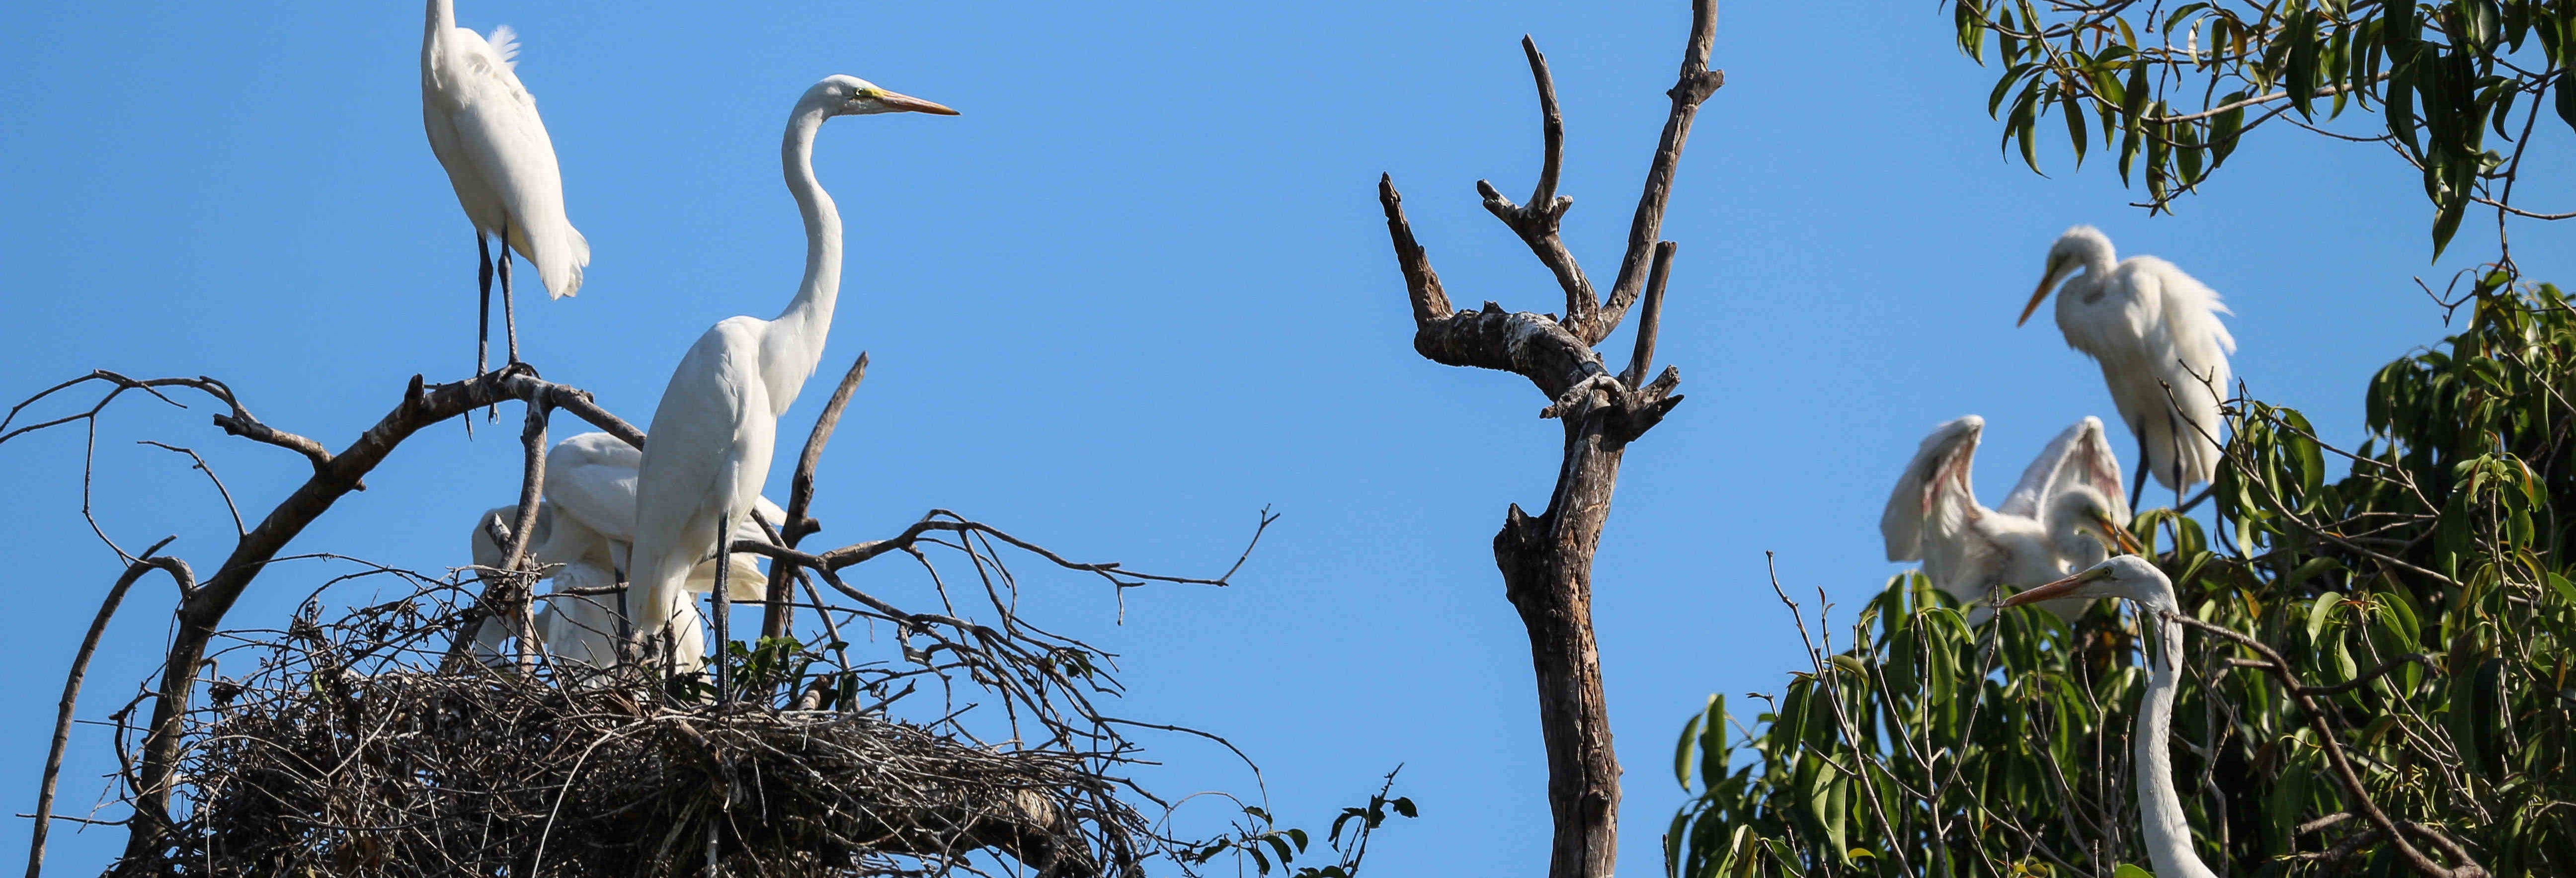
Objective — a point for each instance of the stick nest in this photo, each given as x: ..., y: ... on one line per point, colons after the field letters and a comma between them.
x: 309, y: 768
x: 422, y: 774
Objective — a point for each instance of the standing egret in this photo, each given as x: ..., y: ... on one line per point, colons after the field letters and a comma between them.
x: 708, y: 451
x: 584, y: 534
x: 2063, y: 515
x: 2161, y: 824
x: 2150, y: 326
x: 484, y: 128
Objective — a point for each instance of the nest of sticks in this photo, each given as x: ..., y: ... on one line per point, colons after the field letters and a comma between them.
x: 311, y: 767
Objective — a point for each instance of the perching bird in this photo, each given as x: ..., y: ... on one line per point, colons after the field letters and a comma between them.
x: 708, y: 451
x: 584, y: 533
x: 2065, y: 514
x: 484, y: 128
x: 2149, y: 325
x: 2161, y: 824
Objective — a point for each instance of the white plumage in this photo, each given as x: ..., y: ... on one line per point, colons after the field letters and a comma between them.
x: 709, y: 449
x: 584, y: 535
x: 2162, y: 827
x: 483, y: 126
x: 2065, y: 513
x: 2149, y: 325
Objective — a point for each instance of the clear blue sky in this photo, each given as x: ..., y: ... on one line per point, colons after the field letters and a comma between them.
x: 1138, y: 291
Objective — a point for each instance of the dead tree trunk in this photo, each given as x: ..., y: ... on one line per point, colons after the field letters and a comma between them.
x: 1546, y: 560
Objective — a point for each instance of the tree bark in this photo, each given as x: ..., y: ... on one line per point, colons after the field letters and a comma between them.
x: 1546, y: 560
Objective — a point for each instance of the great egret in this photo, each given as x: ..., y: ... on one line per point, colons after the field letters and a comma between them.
x: 584, y: 534
x: 708, y: 451
x: 2061, y: 516
x: 484, y: 128
x: 2160, y: 819
x: 2149, y: 325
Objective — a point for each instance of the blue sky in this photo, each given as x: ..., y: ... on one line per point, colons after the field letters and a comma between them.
x: 1140, y: 290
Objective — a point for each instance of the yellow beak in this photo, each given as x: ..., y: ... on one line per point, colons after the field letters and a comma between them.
x: 908, y: 103
x: 2122, y: 541
x: 2046, y: 283
x: 2056, y: 589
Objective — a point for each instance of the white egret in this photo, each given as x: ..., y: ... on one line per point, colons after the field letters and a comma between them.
x: 2161, y: 824
x: 2063, y: 515
x: 584, y: 534
x: 2149, y: 325
x: 483, y: 126
x: 708, y: 451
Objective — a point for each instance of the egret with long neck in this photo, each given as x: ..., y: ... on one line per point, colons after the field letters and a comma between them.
x: 2160, y: 819
x: 709, y: 448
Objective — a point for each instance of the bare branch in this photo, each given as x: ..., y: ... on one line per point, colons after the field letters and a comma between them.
x: 1697, y: 82
x: 780, y: 616
x: 180, y: 574
x: 1423, y: 284
x: 1650, y: 322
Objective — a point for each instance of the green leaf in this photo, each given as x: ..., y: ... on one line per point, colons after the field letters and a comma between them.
x: 2320, y: 612
x: 2133, y: 103
x: 2566, y: 590
x: 2074, y: 113
x: 2129, y: 870
x: 2567, y: 98
x: 1686, y: 748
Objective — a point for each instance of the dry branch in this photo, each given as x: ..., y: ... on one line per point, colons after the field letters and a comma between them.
x: 1546, y: 560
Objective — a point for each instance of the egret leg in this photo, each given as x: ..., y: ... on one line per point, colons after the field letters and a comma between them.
x: 2138, y: 486
x: 723, y: 606
x: 483, y: 328
x: 509, y: 309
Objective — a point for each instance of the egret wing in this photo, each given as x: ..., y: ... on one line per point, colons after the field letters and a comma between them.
x: 689, y: 464
x: 1934, y: 496
x: 590, y: 478
x: 2080, y: 455
x: 500, y: 135
x: 2191, y: 347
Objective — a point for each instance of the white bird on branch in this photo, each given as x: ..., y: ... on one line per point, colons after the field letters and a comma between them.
x: 708, y: 451
x: 2150, y: 326
x: 584, y: 535
x: 2161, y: 824
x: 2065, y: 514
x: 484, y: 128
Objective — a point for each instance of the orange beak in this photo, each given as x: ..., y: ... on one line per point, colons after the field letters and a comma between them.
x: 2037, y: 296
x: 2128, y: 542
x: 2056, y: 589
x: 908, y: 103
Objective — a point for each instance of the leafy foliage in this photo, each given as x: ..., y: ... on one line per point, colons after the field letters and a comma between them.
x: 2424, y: 599
x: 1258, y: 836
x: 2180, y: 84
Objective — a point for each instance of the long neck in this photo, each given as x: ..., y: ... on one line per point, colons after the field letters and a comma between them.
x: 2160, y: 816
x: 808, y: 319
x: 442, y: 18
x: 2097, y: 258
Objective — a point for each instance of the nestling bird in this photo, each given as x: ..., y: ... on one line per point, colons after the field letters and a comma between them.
x: 584, y: 534
x: 2161, y: 824
x: 708, y: 451
x: 2150, y: 326
x: 2064, y: 515
x: 483, y: 127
